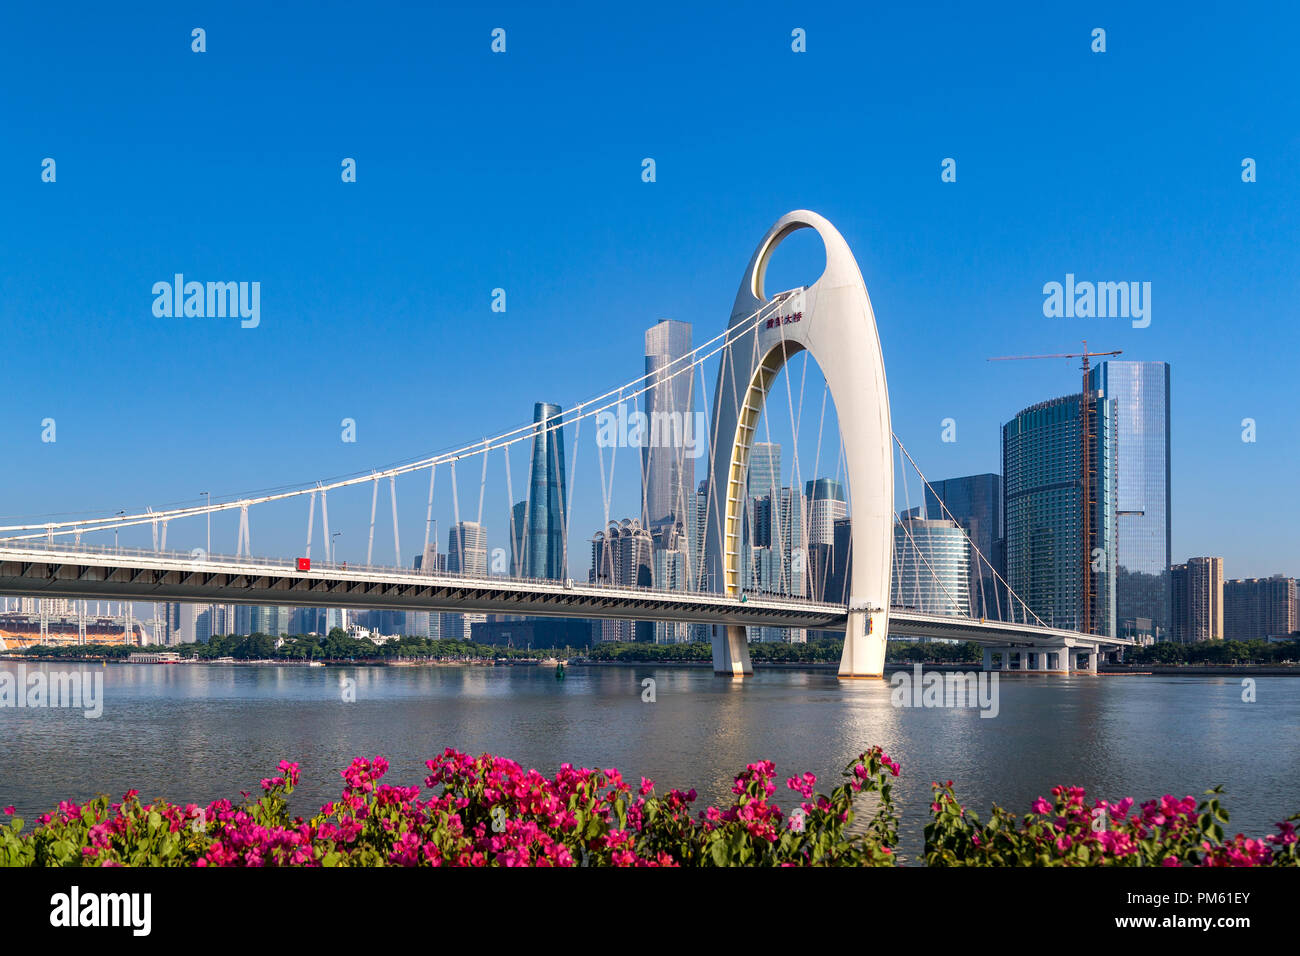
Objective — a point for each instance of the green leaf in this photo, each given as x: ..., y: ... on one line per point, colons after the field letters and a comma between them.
x: 718, y: 851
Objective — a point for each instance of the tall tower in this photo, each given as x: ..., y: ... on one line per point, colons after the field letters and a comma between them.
x: 518, y: 525
x: 621, y: 556
x: 931, y: 567
x: 1140, y: 391
x: 466, y: 554
x: 1050, y: 534
x: 667, y: 465
x: 975, y: 503
x: 1197, y: 611
x: 545, y: 551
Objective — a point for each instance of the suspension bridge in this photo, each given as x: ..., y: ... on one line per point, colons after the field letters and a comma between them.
x: 831, y: 320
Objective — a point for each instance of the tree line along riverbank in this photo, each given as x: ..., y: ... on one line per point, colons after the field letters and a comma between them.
x: 338, y: 646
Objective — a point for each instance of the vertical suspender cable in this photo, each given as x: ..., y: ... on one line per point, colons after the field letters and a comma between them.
x: 428, y: 522
x: 397, y: 544
x: 311, y: 520
x: 573, y: 476
x: 374, y: 500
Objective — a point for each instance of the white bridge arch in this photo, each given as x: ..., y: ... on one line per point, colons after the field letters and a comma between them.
x: 832, y: 319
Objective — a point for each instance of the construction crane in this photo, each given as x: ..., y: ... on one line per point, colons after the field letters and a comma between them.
x: 1087, y: 468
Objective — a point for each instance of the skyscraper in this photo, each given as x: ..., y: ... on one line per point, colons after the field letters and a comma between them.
x: 545, y: 541
x: 621, y: 556
x: 778, y: 560
x: 271, y: 620
x: 183, y: 622
x: 931, y: 567
x: 1049, y: 551
x: 466, y: 554
x: 518, y: 537
x: 826, y: 505
x: 670, y: 546
x: 762, y: 480
x: 764, y: 475
x: 1197, y: 611
x: 667, y: 468
x: 837, y: 585
x: 699, y: 526
x: 423, y: 623
x: 975, y: 503
x: 1140, y: 392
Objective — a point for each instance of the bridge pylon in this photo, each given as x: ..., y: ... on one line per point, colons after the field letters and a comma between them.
x: 833, y: 320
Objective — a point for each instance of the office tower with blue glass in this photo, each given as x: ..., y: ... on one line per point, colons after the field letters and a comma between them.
x: 667, y: 465
x: 974, y: 502
x: 931, y: 567
x: 467, y: 554
x: 1060, y: 547
x: 1140, y: 393
x: 827, y: 503
x: 518, y: 536
x: 545, y: 540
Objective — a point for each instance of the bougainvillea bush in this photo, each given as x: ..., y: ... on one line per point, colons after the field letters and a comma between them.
x: 489, y: 811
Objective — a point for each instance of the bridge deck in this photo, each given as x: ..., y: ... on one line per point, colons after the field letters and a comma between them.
x: 60, y: 571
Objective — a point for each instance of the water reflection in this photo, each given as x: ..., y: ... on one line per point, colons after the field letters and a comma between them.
x: 194, y: 733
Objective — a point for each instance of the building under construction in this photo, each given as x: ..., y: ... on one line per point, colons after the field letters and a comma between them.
x: 1061, y: 529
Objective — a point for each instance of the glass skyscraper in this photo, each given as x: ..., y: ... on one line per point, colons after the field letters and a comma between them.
x: 762, y: 480
x: 622, y: 556
x: 776, y: 557
x: 544, y: 540
x: 931, y: 567
x: 826, y: 505
x: 1140, y: 392
x: 764, y: 475
x: 667, y: 467
x: 518, y: 537
x: 1047, y: 551
x: 975, y: 503
x: 466, y: 554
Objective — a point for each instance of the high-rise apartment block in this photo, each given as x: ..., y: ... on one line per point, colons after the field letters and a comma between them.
x: 1256, y: 608
x: 1197, y: 600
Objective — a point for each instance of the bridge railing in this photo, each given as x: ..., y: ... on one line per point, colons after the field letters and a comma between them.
x: 420, y: 574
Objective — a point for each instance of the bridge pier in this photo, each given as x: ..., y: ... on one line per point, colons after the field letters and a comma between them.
x: 1047, y: 660
x: 731, y: 651
x: 864, y: 645
x: 1004, y: 658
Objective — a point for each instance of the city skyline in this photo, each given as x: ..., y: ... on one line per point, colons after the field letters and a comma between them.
x: 592, y: 278
x: 552, y: 427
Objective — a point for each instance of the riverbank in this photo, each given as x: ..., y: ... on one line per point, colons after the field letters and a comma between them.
x: 1202, y: 670
x: 1142, y: 670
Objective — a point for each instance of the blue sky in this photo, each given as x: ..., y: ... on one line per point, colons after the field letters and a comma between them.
x: 523, y: 171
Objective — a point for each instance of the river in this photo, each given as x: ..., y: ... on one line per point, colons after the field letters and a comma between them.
x: 192, y: 733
